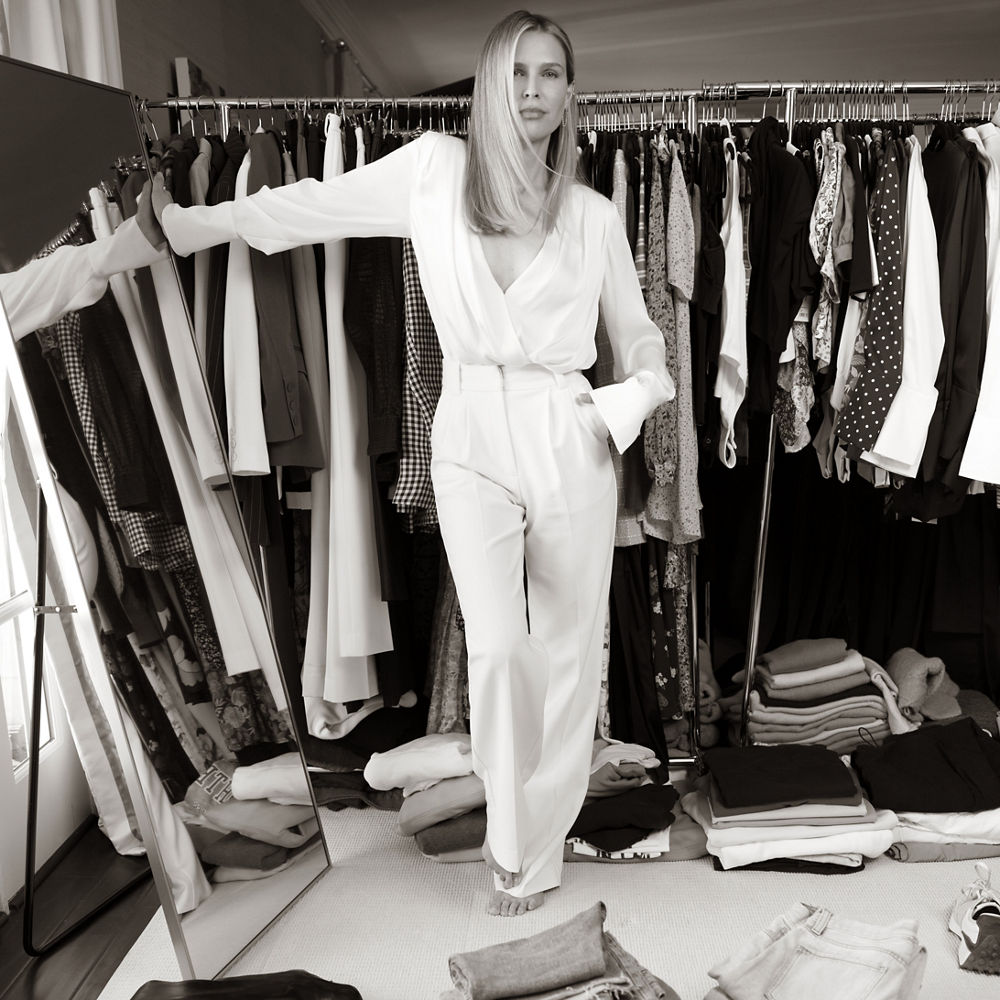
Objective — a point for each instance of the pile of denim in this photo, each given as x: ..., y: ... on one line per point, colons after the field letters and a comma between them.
x: 578, y: 958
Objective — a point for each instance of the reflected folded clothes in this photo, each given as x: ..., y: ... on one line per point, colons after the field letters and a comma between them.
x: 811, y: 952
x: 229, y: 873
x: 234, y: 850
x: 340, y: 790
x: 618, y: 822
x: 851, y: 664
x: 438, y: 755
x: 574, y: 959
x: 802, y: 654
x: 281, y: 778
x: 284, y: 826
x: 292, y: 985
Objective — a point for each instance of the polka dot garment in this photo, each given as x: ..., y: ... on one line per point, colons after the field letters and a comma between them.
x: 869, y: 403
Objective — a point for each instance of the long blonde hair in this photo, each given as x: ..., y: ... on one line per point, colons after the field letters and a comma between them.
x: 497, y: 138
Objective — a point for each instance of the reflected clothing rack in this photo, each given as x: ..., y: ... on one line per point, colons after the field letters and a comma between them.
x: 861, y: 98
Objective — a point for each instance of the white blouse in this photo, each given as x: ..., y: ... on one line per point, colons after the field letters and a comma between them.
x: 547, y: 316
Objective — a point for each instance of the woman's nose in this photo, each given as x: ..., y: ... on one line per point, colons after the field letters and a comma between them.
x: 531, y: 89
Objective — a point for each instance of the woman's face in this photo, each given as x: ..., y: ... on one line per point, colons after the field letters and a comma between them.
x: 541, y: 90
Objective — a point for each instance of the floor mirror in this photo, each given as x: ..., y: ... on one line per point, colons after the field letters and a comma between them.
x: 157, y: 633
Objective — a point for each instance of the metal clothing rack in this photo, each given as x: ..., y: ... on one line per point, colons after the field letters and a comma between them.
x: 840, y: 98
x: 953, y: 93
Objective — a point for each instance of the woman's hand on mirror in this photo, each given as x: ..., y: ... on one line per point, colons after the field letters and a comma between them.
x: 147, y: 215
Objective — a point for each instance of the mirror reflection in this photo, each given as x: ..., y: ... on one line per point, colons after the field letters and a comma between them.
x: 130, y: 444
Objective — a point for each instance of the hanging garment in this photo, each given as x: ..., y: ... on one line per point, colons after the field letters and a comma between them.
x: 632, y: 691
x: 955, y: 190
x: 241, y: 357
x: 150, y: 538
x: 227, y: 157
x: 903, y: 435
x: 783, y: 267
x: 353, y: 620
x: 794, y: 395
x: 882, y: 334
x: 673, y: 509
x: 640, y: 238
x: 200, y: 178
x: 289, y: 412
x: 413, y: 494
x: 448, y: 679
x: 731, y: 383
x: 829, y: 158
x: 982, y: 456
x: 660, y: 436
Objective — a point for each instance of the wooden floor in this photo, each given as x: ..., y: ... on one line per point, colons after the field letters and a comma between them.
x: 80, y: 968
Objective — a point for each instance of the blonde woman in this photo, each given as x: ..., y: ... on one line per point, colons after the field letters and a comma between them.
x: 515, y: 259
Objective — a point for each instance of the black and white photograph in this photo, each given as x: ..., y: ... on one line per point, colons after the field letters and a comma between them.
x: 499, y: 504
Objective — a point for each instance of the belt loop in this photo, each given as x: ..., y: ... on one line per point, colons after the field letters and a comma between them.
x: 818, y: 922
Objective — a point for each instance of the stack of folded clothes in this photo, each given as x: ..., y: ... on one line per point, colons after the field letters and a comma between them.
x: 787, y: 808
x: 249, y: 822
x: 575, y: 959
x: 815, y: 691
x: 626, y: 816
x: 943, y: 783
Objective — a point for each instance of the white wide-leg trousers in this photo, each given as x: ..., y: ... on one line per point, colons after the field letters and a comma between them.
x: 526, y: 500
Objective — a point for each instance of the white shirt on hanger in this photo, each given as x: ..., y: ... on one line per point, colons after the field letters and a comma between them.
x: 731, y: 381
x: 901, y: 441
x: 982, y: 451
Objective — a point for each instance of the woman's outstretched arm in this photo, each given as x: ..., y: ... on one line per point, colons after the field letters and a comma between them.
x: 373, y: 200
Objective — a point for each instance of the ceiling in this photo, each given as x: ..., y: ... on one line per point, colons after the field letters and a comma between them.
x: 408, y: 48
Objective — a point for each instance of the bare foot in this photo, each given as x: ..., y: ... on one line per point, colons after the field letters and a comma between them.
x: 507, y: 879
x: 504, y: 905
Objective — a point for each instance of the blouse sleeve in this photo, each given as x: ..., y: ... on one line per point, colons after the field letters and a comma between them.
x: 72, y: 277
x: 373, y: 200
x: 642, y: 379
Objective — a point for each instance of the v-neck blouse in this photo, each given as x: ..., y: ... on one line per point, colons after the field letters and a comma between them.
x: 546, y: 317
